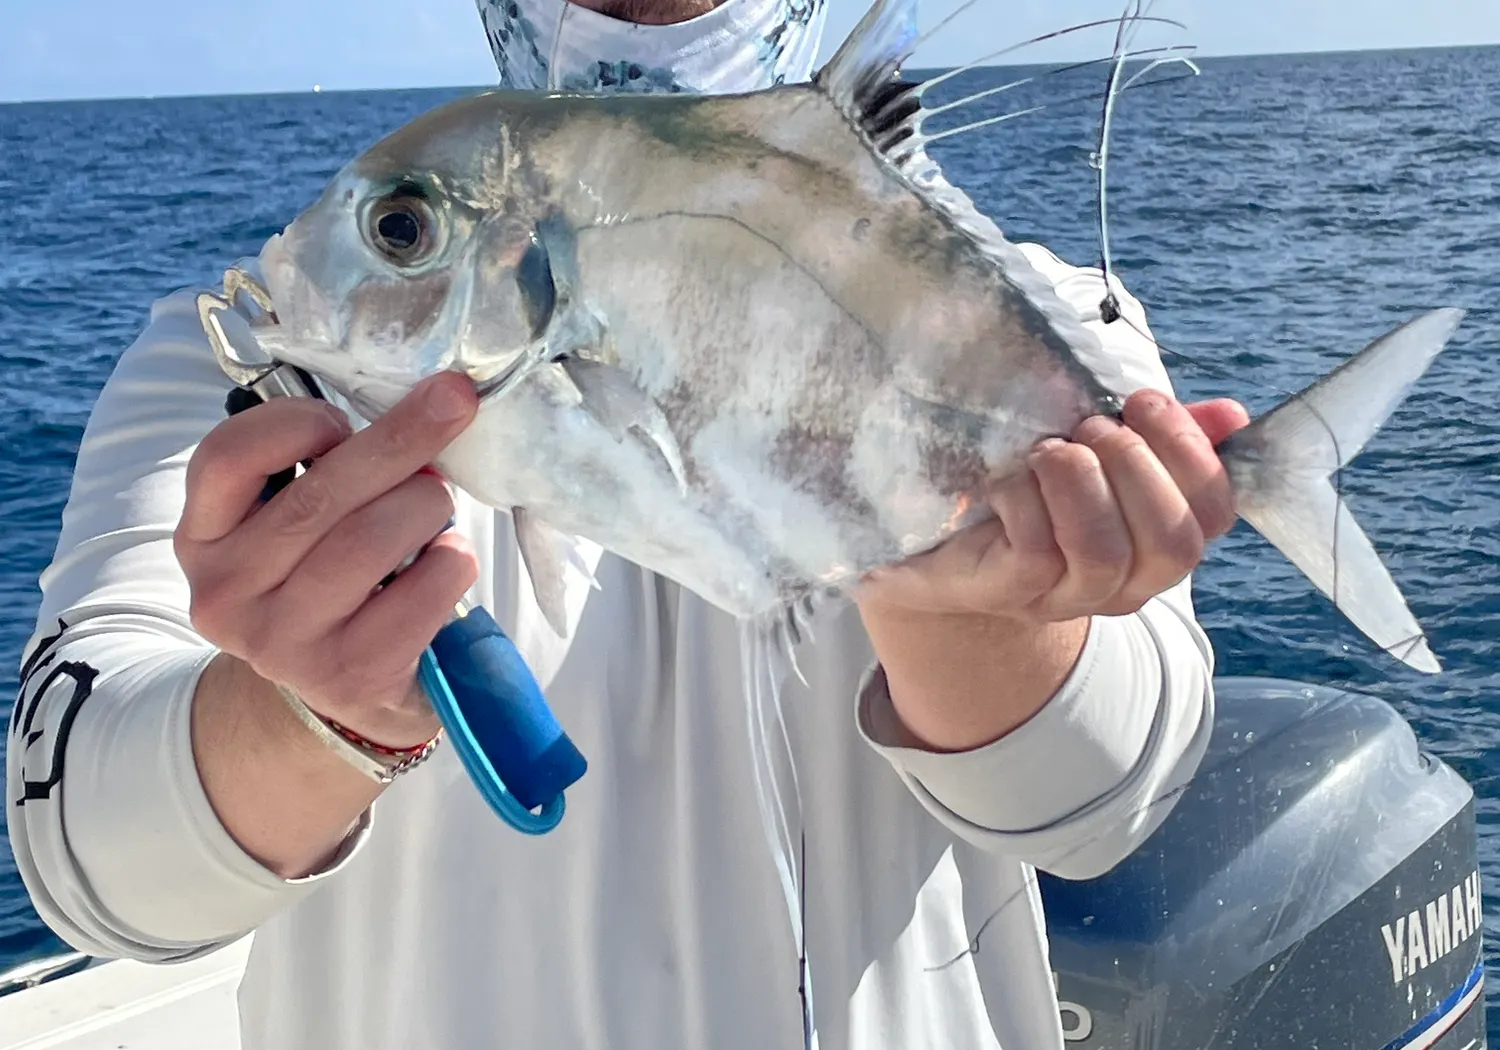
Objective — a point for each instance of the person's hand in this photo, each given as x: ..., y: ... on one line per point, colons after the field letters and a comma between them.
x: 1097, y: 525
x: 289, y: 586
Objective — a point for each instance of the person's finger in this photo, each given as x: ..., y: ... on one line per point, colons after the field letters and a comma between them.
x: 342, y: 571
x: 1187, y: 453
x: 1018, y: 503
x: 229, y: 468
x: 1166, y: 541
x: 393, y: 628
x: 1219, y: 418
x: 1029, y: 561
x: 370, y: 463
x: 1087, y: 523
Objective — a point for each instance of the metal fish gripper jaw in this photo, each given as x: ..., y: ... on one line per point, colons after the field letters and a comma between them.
x: 265, y: 379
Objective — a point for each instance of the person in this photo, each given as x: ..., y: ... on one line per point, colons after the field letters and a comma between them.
x: 1026, y: 697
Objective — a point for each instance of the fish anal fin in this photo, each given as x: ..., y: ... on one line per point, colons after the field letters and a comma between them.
x: 546, y: 554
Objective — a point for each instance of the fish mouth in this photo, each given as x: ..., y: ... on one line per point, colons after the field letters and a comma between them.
x: 567, y: 332
x: 512, y: 375
x: 495, y: 387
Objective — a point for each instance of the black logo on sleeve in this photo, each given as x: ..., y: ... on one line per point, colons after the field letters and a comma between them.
x: 82, y: 676
x: 40, y: 658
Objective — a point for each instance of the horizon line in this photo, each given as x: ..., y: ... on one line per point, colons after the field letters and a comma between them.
x: 320, y: 90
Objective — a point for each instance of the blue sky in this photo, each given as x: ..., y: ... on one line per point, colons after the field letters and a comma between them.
x: 109, y: 48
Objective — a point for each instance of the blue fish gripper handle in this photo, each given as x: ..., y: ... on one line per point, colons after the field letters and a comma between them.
x: 511, y: 744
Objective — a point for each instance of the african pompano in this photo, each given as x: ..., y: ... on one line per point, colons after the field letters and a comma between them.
x: 756, y: 343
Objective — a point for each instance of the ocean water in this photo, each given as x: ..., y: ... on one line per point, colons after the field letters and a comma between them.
x: 1274, y: 214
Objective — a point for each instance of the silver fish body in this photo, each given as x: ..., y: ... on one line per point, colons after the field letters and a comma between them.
x: 755, y: 343
x: 840, y: 368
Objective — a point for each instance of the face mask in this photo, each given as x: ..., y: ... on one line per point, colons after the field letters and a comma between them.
x: 741, y: 45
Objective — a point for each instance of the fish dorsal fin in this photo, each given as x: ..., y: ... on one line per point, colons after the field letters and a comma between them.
x: 868, y: 63
x: 863, y: 79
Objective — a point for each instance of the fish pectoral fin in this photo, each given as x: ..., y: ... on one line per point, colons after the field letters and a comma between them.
x: 612, y: 397
x: 546, y: 554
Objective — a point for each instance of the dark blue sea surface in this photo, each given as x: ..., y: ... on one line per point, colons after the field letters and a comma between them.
x: 1274, y: 214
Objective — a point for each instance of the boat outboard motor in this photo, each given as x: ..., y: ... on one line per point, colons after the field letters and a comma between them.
x: 1315, y: 888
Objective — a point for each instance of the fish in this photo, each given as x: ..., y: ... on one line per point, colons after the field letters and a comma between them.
x: 758, y: 344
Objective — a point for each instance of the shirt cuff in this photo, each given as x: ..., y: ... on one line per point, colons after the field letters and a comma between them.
x: 149, y: 845
x: 1126, y: 721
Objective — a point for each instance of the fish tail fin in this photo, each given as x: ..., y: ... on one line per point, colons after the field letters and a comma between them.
x: 1282, y: 467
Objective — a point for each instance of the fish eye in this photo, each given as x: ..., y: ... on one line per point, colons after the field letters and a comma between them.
x: 399, y: 231
x: 402, y: 226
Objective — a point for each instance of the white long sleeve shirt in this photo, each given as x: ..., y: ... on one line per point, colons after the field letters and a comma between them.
x: 653, y: 917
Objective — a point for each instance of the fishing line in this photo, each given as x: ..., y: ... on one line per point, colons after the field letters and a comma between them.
x: 1109, y: 308
x: 767, y: 652
x: 1110, y: 313
x: 804, y: 977
x: 1397, y: 649
x: 973, y: 946
x: 1129, y: 24
x: 766, y: 656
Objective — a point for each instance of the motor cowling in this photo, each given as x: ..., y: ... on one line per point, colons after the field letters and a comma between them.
x: 1315, y: 888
